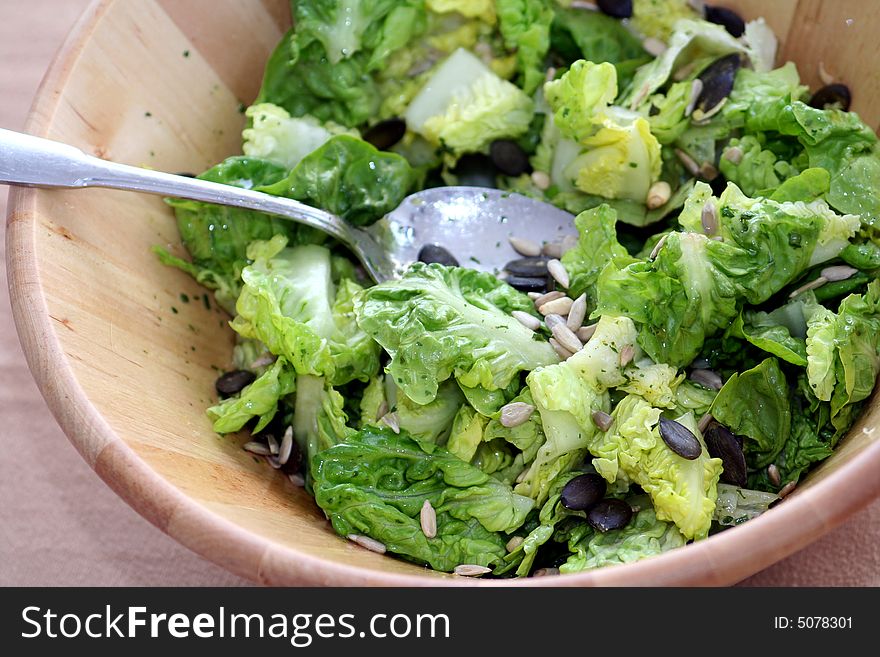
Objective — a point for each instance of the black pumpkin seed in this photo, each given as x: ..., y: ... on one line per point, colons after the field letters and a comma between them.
x: 532, y: 266
x: 832, y: 95
x: 436, y: 253
x: 616, y: 8
x: 233, y: 382
x: 723, y: 444
x: 386, y: 133
x: 528, y: 283
x: 476, y: 170
x: 509, y: 157
x: 680, y: 439
x: 583, y: 492
x: 729, y: 19
x: 717, y: 79
x: 609, y: 514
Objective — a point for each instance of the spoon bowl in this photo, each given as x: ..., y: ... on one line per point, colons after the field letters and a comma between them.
x: 473, y: 223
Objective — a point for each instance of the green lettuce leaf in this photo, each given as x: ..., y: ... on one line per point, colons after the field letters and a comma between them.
x: 682, y: 491
x: 352, y: 487
x: 350, y: 178
x: 756, y: 404
x: 319, y: 419
x: 430, y: 424
x: 525, y: 26
x: 645, y: 536
x: 657, y: 18
x: 289, y: 303
x: 217, y: 236
x: 577, y: 34
x: 737, y: 505
x: 597, y: 244
x: 259, y: 399
x: 765, y: 332
x: 464, y: 106
x: 437, y: 322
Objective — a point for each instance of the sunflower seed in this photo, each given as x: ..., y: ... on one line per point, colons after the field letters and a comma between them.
x: 382, y: 410
x: 626, y: 354
x: 566, y: 337
x: 560, y: 306
x: 704, y: 422
x: 584, y: 333
x: 696, y: 90
x: 524, y: 247
x: 533, y: 295
x: 515, y: 414
x: 297, y: 479
x: 773, y: 474
x: 262, y: 361
x: 514, y: 543
x: 787, y: 489
x: 658, y: 195
x: 656, y: 250
x: 428, y: 520
x: 700, y: 117
x: 654, y: 46
x: 549, y: 296
x: 577, y: 313
x: 707, y: 379
x: 709, y: 218
x: 689, y: 163
x: 541, y: 180
x: 561, y: 351
x: 552, y: 320
x: 273, y: 461
x: 824, y: 75
x: 273, y: 444
x: 552, y: 249
x: 521, y: 477
x: 558, y: 272
x: 838, y: 273
x: 286, y: 446
x: 685, y: 71
x: 568, y: 243
x: 806, y: 287
x: 529, y: 321
x: 471, y: 570
x: 733, y: 154
x: 602, y: 420
x: 367, y: 542
x: 680, y: 439
x: 391, y: 421
x: 256, y: 448
x: 583, y: 4
x: 545, y: 572
x: 708, y: 171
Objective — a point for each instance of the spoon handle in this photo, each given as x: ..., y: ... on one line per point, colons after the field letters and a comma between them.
x: 36, y: 162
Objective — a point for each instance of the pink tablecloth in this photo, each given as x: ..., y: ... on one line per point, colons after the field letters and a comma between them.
x: 60, y: 525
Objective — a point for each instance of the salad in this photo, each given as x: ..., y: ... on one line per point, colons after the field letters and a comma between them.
x: 707, y: 340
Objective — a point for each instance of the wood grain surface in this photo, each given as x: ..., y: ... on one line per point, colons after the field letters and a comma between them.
x: 60, y: 524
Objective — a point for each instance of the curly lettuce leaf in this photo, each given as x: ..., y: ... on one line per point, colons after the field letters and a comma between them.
x: 430, y: 424
x: 645, y: 536
x: 438, y: 322
x: 217, y: 236
x: 525, y: 26
x: 352, y: 487
x: 597, y: 244
x: 276, y: 136
x: 583, y: 92
x: 259, y: 399
x: 577, y: 34
x: 464, y: 106
x: 289, y: 303
x: 350, y: 178
x: 765, y: 332
x: 682, y: 491
x: 756, y: 404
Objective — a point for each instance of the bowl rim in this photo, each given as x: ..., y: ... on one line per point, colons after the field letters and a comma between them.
x: 719, y: 560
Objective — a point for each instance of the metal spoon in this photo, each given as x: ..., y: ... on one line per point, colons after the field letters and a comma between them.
x: 473, y: 223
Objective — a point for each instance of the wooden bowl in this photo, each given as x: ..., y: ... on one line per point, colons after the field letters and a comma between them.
x: 127, y: 364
